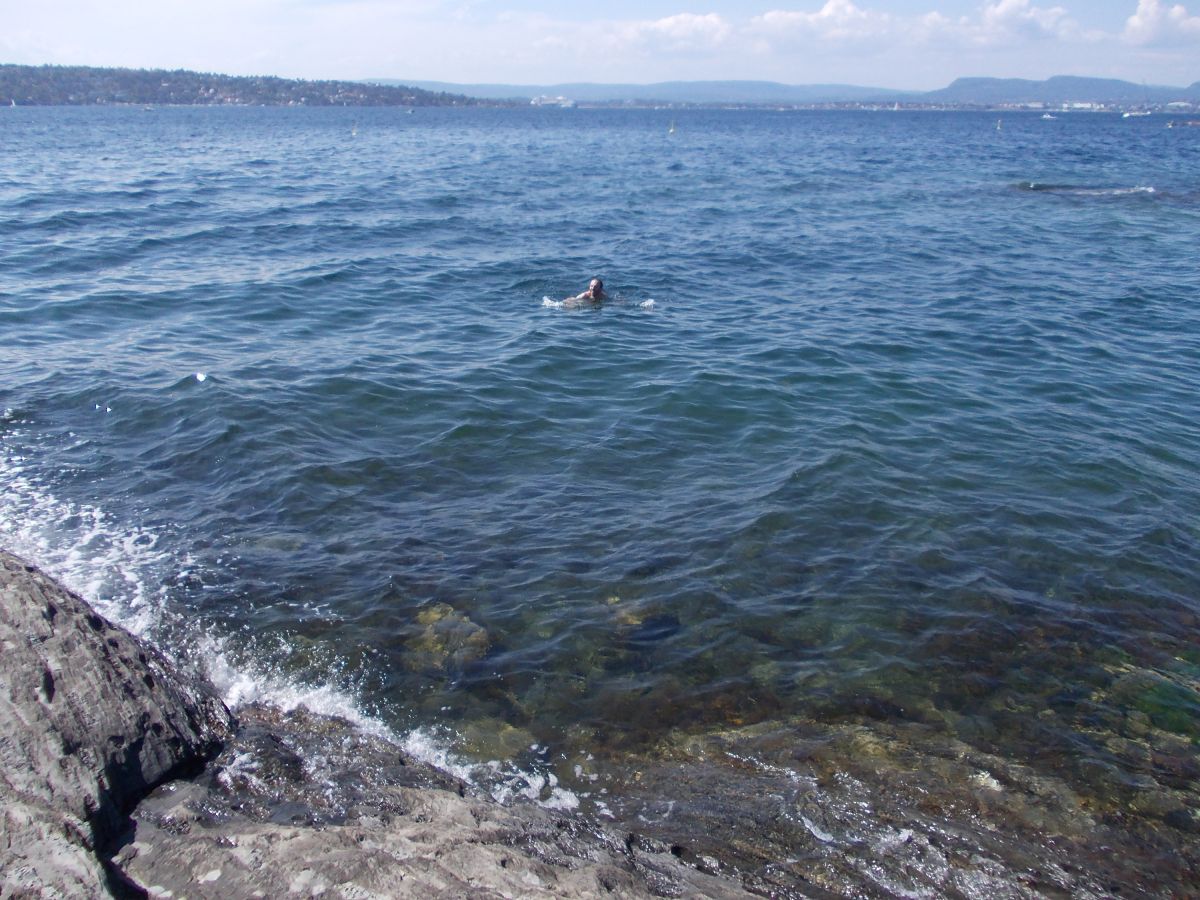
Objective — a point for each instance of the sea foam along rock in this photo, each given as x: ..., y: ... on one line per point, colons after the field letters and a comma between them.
x: 91, y: 720
x: 119, y: 775
x: 299, y: 804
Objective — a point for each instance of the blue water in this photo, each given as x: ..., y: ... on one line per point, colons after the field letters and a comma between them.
x: 890, y: 418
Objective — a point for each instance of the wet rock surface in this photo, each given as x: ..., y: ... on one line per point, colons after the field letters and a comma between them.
x: 91, y: 719
x: 309, y: 805
x: 122, y: 777
x: 893, y: 810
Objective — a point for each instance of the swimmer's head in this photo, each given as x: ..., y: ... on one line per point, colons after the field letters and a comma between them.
x: 596, y: 285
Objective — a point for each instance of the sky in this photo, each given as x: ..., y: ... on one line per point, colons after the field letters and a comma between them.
x: 906, y: 44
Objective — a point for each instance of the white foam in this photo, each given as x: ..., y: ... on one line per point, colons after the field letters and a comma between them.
x: 821, y: 835
x: 112, y: 565
x: 647, y: 304
x: 987, y: 781
x: 115, y: 566
x: 551, y: 303
x: 503, y: 781
x: 1112, y: 192
x: 240, y: 684
x: 79, y: 544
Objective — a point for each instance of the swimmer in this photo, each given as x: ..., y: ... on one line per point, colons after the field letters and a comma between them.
x: 594, y: 293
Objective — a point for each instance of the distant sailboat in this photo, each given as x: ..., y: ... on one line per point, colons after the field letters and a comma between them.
x: 999, y: 124
x: 671, y: 130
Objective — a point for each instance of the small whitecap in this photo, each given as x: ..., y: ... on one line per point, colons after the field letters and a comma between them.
x: 548, y: 302
x: 201, y: 376
x: 647, y: 304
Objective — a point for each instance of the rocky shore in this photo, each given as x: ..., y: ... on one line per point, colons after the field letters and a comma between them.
x: 121, y: 775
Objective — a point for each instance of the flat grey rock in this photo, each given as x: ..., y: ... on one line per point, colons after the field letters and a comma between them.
x: 305, y: 805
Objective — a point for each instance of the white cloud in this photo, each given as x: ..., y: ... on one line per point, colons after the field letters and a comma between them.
x: 842, y: 21
x: 685, y: 35
x: 1018, y: 18
x: 604, y: 45
x: 685, y: 32
x: 1004, y: 22
x: 837, y: 20
x: 1155, y: 24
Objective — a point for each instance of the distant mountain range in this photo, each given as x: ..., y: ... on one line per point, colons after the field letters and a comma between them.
x: 1060, y: 89
x: 963, y: 92
x: 671, y: 92
x: 86, y: 85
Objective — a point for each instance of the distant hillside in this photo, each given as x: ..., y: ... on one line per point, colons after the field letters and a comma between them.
x: 963, y: 92
x: 84, y: 85
x: 675, y: 92
x: 1057, y: 90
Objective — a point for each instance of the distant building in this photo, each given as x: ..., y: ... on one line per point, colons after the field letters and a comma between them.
x: 562, y: 102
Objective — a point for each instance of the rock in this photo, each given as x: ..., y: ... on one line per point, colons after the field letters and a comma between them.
x: 359, y: 818
x: 447, y: 639
x: 119, y: 776
x: 91, y: 720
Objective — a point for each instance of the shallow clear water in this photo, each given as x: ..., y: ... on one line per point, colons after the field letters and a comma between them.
x: 892, y: 418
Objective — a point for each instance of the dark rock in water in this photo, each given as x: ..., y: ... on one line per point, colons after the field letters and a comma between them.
x: 653, y: 630
x: 91, y: 719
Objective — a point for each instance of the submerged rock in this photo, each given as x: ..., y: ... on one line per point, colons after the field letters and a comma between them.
x: 91, y: 719
x: 447, y: 639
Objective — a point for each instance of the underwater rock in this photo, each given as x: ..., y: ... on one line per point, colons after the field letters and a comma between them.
x: 91, y: 719
x: 653, y: 630
x: 447, y: 639
x: 492, y: 738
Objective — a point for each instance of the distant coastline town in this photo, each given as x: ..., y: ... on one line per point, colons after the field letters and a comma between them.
x: 88, y: 86
x: 51, y: 85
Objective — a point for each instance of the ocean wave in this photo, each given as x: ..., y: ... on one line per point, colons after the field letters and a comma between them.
x: 128, y: 573
x: 1076, y: 190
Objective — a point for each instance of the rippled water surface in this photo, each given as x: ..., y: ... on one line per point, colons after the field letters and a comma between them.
x: 890, y: 424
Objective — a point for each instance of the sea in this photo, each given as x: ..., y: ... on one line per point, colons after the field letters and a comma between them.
x: 850, y: 547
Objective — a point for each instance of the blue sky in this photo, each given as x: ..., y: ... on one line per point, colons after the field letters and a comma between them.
x: 909, y: 44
